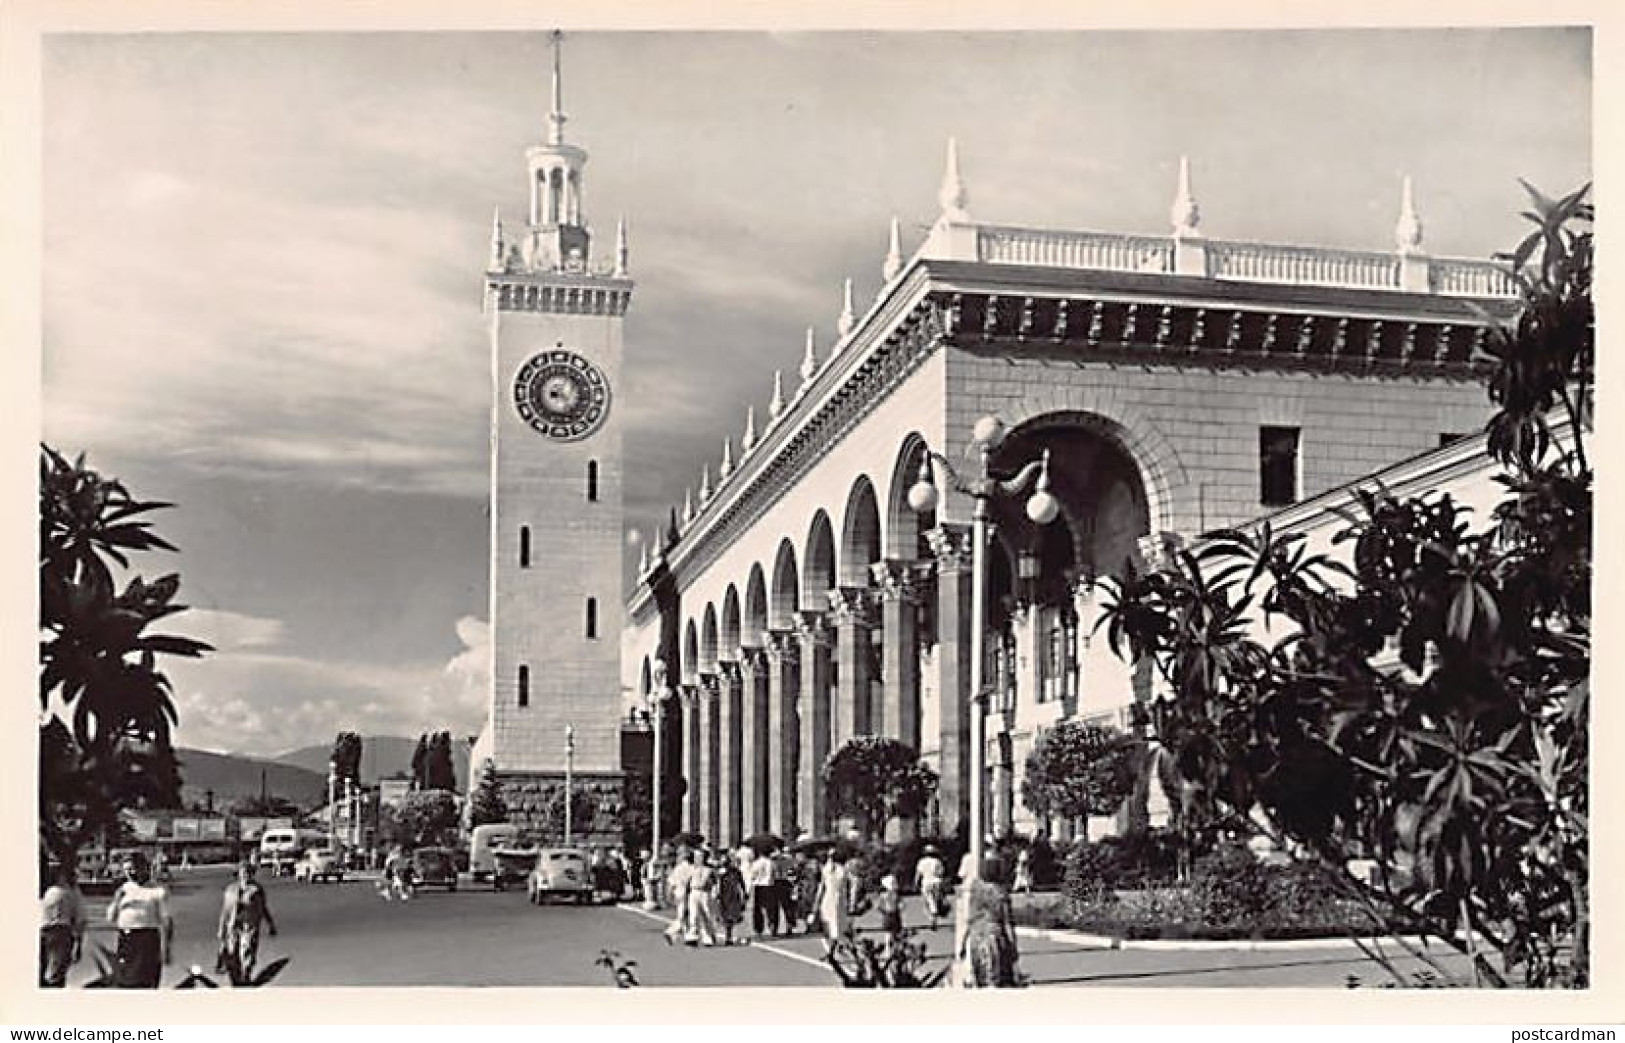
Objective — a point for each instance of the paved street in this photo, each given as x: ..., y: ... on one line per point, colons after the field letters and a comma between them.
x: 344, y: 934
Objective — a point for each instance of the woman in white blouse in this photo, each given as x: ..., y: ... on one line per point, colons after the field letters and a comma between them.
x: 140, y: 911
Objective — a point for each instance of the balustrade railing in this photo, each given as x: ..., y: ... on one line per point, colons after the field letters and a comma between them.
x: 1237, y: 261
x: 1302, y: 265
x: 1095, y: 250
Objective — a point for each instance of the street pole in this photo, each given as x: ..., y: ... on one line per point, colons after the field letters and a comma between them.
x: 569, y: 767
x: 332, y: 805
x: 1042, y: 508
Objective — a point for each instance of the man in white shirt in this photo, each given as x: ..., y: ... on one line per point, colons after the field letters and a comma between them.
x: 677, y: 882
x: 764, y: 900
x: 928, y: 872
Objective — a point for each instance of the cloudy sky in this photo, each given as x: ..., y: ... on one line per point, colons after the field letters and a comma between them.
x: 262, y: 260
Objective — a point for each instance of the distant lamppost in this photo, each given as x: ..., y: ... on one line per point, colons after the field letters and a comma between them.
x: 569, y: 769
x: 983, y: 488
x: 659, y: 693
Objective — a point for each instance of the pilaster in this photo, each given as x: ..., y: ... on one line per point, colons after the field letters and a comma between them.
x: 951, y: 545
x: 710, y: 757
x: 851, y: 618
x: 811, y: 808
x: 731, y: 773
x: 897, y: 583
x: 783, y: 735
x: 692, y: 744
x: 756, y: 785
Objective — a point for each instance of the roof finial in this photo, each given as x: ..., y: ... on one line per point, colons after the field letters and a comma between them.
x: 555, y: 119
x: 952, y: 195
x: 1184, y: 213
x: 1408, y: 231
x: 845, y: 322
x: 727, y: 467
x: 496, y: 239
x: 688, y: 505
x: 776, y: 406
x: 894, y: 255
x: 705, y: 483
x: 809, y: 361
x: 643, y: 552
x: 749, y: 441
x: 620, y: 247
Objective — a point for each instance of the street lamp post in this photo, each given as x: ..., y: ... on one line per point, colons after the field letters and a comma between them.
x: 982, y: 487
x: 659, y: 692
x: 569, y: 768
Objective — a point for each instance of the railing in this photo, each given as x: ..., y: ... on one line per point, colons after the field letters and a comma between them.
x: 1095, y: 250
x: 1240, y: 262
x: 1302, y: 265
x: 1471, y: 279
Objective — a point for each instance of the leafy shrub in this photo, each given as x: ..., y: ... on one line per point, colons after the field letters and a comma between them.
x: 1088, y: 880
x: 1229, y: 888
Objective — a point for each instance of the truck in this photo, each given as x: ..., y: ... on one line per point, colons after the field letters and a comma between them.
x: 282, y: 848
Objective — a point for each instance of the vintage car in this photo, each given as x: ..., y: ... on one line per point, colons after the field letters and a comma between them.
x: 560, y: 871
x: 434, y: 867
x: 317, y: 864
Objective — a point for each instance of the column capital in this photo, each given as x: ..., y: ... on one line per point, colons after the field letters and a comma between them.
x: 953, y: 547
x: 689, y: 694
x: 728, y: 671
x: 783, y: 647
x: 897, y: 580
x: 810, y: 627
x: 752, y: 660
x: 850, y: 606
x: 710, y: 687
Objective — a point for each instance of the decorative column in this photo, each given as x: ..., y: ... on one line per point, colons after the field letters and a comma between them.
x: 850, y: 617
x: 710, y: 749
x: 730, y: 775
x: 756, y: 785
x: 951, y: 546
x: 898, y: 586
x: 692, y: 744
x: 811, y: 812
x: 783, y: 738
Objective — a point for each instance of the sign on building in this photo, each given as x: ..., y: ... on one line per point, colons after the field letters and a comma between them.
x: 144, y: 828
x: 393, y: 791
x: 214, y: 829
x: 187, y: 829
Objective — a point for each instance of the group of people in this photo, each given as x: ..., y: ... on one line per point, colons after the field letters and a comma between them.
x: 139, y: 911
x: 713, y: 891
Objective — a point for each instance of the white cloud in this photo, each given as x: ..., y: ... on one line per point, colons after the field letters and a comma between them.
x: 231, y: 631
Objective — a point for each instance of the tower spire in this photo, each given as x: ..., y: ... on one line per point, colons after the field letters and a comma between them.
x: 620, y: 248
x: 894, y: 254
x: 497, y: 248
x: 555, y: 119
x: 952, y: 196
x: 1408, y: 230
x: 1184, y: 212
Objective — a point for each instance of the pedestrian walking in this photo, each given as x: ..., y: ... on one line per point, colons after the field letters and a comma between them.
x: 1024, y: 873
x: 702, y: 902
x: 783, y: 867
x: 764, y: 897
x: 243, y: 910
x: 140, y: 912
x: 833, y: 902
x: 929, y: 880
x: 677, y: 887
x: 733, y: 897
x: 62, y: 927
x: 985, y: 952
x: 890, y: 904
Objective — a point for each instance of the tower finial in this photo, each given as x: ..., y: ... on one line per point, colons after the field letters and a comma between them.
x: 555, y: 119
x: 809, y: 361
x: 1408, y: 231
x: 894, y: 254
x: 497, y: 249
x: 952, y: 195
x: 845, y: 322
x: 620, y: 247
x: 1184, y: 213
x: 776, y: 406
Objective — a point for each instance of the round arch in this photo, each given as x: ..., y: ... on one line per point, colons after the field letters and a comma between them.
x: 860, y: 534
x: 754, y: 630
x: 906, y: 527
x: 1168, y: 491
x: 708, y: 641
x: 730, y: 623
x: 691, y: 653
x: 819, y: 577
x: 786, y: 588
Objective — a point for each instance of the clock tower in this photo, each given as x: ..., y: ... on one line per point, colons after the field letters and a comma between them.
x: 555, y: 315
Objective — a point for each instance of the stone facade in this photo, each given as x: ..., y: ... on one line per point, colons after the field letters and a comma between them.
x: 1169, y: 385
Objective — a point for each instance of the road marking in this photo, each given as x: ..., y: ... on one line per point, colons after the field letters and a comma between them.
x: 764, y: 946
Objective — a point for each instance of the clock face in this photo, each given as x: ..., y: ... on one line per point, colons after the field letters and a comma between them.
x: 561, y: 395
